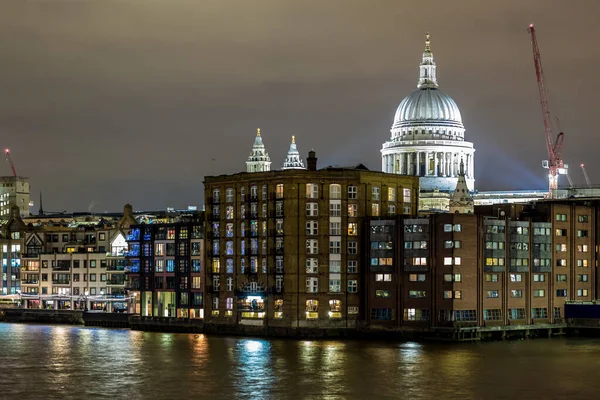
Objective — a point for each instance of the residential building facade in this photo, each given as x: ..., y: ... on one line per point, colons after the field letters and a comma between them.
x: 285, y: 249
x: 165, y: 268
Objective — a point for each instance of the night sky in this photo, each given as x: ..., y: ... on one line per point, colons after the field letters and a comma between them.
x: 108, y: 102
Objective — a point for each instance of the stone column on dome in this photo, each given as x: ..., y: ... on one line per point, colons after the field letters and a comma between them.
x: 468, y: 166
x: 472, y: 167
x: 398, y: 161
x: 435, y: 163
x: 428, y: 172
x: 414, y: 157
x: 456, y: 163
x: 443, y: 158
x: 451, y: 164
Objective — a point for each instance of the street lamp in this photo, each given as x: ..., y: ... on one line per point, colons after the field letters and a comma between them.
x: 85, y: 295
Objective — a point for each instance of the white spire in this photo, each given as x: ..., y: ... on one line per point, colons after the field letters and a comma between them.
x: 427, y: 77
x: 293, y: 159
x: 461, y: 201
x: 259, y: 160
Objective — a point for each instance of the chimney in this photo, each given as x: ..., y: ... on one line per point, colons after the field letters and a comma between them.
x: 311, y: 161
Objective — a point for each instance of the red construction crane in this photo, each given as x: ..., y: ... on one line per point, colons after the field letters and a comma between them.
x: 10, y: 161
x: 554, y: 163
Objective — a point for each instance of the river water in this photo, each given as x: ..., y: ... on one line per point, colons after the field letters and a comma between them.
x: 64, y: 362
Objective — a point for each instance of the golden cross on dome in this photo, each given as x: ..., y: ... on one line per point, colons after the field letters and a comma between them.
x: 293, y: 139
x: 427, y: 42
x: 258, y: 132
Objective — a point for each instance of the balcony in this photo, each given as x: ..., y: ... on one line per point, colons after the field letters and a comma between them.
x: 30, y: 282
x: 407, y: 268
x: 115, y: 282
x: 494, y: 268
x: 518, y: 269
x: 541, y: 269
x: 132, y: 269
x: 61, y: 281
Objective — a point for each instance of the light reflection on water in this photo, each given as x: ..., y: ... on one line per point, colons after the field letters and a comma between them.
x: 59, y: 362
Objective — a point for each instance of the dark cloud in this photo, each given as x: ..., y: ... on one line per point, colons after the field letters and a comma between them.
x: 129, y: 101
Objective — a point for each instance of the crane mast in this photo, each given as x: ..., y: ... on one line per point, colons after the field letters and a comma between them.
x: 10, y: 161
x: 554, y: 163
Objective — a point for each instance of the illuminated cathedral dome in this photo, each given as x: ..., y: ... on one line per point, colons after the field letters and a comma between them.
x: 427, y: 106
x: 428, y: 136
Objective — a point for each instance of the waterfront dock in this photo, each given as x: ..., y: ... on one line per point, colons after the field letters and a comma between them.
x: 584, y: 321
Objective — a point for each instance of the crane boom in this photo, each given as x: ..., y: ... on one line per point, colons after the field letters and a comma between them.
x: 10, y: 161
x: 585, y: 175
x: 555, y: 162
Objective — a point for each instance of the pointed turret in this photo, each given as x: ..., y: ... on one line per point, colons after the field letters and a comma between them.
x: 461, y: 201
x: 259, y: 160
x: 427, y: 77
x: 293, y: 159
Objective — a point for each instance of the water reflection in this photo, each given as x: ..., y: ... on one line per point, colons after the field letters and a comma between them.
x: 57, y: 362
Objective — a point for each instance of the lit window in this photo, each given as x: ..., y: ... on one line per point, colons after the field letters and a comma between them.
x: 352, y: 229
x: 335, y: 228
x: 352, y: 210
x: 312, y: 266
x: 375, y: 210
x: 335, y: 210
x: 375, y: 193
x: 229, y: 195
x: 312, y: 190
x: 406, y: 195
x: 312, y: 228
x: 391, y: 194
x: 312, y: 246
x: 335, y: 191
x: 312, y: 285
x: 312, y: 309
